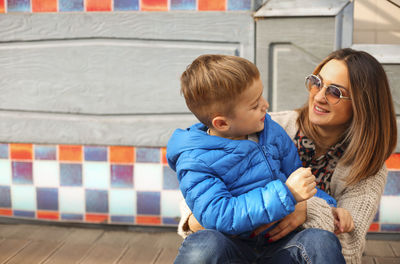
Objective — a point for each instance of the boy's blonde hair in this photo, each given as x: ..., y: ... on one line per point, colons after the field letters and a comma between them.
x: 212, y: 83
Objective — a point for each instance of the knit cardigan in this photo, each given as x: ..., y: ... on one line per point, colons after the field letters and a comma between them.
x: 361, y: 200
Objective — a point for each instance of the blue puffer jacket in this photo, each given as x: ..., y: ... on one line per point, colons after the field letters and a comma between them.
x: 234, y: 186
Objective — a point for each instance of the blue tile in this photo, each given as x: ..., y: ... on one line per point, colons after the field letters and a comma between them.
x: 47, y: 198
x: 148, y: 155
x: 18, y: 5
x: 96, y: 201
x: 170, y: 181
x: 183, y: 5
x: 121, y: 176
x: 125, y: 5
x: 70, y: 174
x: 45, y: 152
x: 148, y: 203
x: 393, y: 183
x: 5, y: 197
x: 22, y: 172
x: 3, y: 151
x: 239, y: 5
x: 390, y: 227
x: 70, y: 5
x: 122, y: 219
x: 170, y: 220
x: 27, y: 214
x: 95, y: 153
x: 75, y: 217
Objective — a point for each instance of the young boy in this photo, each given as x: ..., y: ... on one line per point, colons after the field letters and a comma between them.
x: 237, y: 169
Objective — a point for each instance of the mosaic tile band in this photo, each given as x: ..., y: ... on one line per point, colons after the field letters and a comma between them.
x: 116, y: 185
x: 37, y: 6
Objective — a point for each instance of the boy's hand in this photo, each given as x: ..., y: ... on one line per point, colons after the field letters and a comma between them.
x: 301, y: 184
x: 343, y: 220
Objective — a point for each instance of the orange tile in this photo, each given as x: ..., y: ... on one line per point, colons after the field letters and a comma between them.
x: 70, y: 152
x: 212, y: 5
x: 121, y: 154
x: 148, y: 220
x: 48, y: 215
x: 2, y: 9
x: 7, y: 212
x: 44, y: 5
x: 96, y: 218
x: 393, y: 162
x: 374, y: 227
x: 98, y: 5
x: 164, y: 155
x: 154, y: 5
x: 21, y: 151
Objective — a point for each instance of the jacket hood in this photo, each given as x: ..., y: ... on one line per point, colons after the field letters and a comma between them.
x: 194, y: 137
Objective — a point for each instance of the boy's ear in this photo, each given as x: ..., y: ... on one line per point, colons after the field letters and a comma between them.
x: 220, y: 123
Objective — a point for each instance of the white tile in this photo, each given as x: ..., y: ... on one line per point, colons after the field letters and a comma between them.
x: 389, y: 212
x: 23, y: 197
x: 122, y: 202
x: 147, y: 177
x: 96, y: 175
x: 5, y: 172
x: 170, y: 201
x: 72, y: 200
x: 46, y: 173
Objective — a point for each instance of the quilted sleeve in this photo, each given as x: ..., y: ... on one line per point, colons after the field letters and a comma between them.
x: 215, y: 208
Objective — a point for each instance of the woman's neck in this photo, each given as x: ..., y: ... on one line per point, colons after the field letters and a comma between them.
x: 329, y: 137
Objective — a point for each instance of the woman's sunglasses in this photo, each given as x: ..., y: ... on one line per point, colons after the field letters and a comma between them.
x: 333, y: 94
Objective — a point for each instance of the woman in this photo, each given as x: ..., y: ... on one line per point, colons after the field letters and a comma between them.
x: 345, y: 133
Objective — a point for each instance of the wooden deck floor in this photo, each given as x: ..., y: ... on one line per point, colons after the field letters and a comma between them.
x: 45, y: 244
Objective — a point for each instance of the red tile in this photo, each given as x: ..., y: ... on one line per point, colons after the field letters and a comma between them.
x: 7, y: 212
x: 121, y: 154
x: 2, y: 9
x: 212, y: 5
x: 164, y: 155
x: 48, y: 215
x: 98, y: 5
x: 97, y: 218
x: 44, y: 5
x: 70, y: 152
x: 21, y: 151
x: 154, y: 5
x: 393, y: 162
x: 374, y: 227
x: 148, y: 220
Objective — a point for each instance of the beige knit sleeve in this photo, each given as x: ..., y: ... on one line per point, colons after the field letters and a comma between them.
x: 183, y: 226
x: 361, y: 200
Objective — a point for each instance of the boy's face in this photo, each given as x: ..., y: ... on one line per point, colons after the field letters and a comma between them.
x: 249, y: 112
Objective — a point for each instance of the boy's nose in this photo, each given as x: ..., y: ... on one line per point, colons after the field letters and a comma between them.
x: 265, y: 105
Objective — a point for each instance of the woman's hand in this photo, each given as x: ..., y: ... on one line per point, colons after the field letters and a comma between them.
x: 194, y: 225
x: 343, y: 220
x: 287, y: 224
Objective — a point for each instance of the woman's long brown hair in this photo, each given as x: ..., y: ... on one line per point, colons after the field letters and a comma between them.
x: 372, y: 132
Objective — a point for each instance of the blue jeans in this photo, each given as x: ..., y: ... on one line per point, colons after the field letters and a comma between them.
x: 303, y: 246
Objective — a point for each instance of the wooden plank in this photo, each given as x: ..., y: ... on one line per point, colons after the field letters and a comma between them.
x: 106, y: 254
x: 19, y: 231
x: 378, y: 248
x: 167, y: 256
x: 83, y: 235
x: 35, y: 252
x: 367, y: 260
x: 386, y: 260
x: 115, y: 238
x: 395, y: 245
x: 140, y: 254
x: 69, y: 253
x: 10, y: 247
x: 48, y: 233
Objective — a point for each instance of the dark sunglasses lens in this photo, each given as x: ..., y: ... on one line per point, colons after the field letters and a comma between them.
x: 313, y: 82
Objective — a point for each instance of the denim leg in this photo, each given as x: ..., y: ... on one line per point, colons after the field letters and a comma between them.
x: 307, y: 246
x: 210, y: 246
